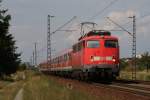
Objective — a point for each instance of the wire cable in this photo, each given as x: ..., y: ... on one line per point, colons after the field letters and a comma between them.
x: 100, y: 12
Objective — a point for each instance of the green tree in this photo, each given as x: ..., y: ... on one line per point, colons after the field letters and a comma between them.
x: 144, y: 61
x: 22, y: 66
x: 123, y: 63
x: 9, y: 59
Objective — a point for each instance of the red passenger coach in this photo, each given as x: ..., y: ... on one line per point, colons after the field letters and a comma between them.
x: 95, y: 55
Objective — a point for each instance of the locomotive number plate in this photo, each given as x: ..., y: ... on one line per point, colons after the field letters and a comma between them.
x: 96, y: 58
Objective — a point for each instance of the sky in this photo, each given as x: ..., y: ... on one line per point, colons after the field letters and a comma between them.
x: 29, y: 23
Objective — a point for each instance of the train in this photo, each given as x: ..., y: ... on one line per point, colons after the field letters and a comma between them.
x: 94, y: 56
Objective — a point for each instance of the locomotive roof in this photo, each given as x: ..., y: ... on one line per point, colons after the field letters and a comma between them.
x: 97, y: 34
x: 99, y: 37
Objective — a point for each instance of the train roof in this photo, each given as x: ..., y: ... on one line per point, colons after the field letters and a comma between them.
x: 63, y: 52
x: 97, y: 34
x: 100, y: 37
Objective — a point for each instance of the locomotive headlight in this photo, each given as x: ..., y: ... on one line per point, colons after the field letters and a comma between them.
x: 114, y: 60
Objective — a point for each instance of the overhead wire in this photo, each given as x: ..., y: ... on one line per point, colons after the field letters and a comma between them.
x: 58, y: 29
x: 139, y: 18
x: 109, y: 5
x: 106, y: 7
x: 100, y: 12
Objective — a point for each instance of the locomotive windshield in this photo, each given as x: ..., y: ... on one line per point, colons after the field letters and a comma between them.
x: 93, y: 44
x: 111, y: 43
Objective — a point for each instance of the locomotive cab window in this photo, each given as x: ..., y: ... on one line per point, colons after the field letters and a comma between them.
x: 93, y: 44
x: 111, y: 43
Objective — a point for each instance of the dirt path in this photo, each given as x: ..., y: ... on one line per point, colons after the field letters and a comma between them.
x: 19, y: 95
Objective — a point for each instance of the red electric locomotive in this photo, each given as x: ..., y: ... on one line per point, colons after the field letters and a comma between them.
x: 95, y: 55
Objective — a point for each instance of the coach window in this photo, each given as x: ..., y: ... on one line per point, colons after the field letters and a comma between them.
x: 65, y: 57
x: 111, y: 43
x: 69, y: 56
x: 57, y: 60
x: 83, y: 44
x: 79, y: 46
x: 62, y: 58
x: 54, y: 60
x: 93, y: 44
x: 75, y: 48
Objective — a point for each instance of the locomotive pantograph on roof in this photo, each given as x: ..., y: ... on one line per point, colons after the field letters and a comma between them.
x: 96, y: 33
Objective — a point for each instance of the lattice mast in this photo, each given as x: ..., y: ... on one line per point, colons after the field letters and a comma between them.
x: 134, y: 49
x: 49, y: 41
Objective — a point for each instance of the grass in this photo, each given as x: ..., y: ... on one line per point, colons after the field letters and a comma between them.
x: 140, y: 75
x: 40, y: 87
x: 10, y: 86
x: 4, y: 84
x: 37, y: 86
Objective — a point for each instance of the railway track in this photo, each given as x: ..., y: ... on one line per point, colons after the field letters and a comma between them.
x: 134, y: 87
x: 130, y: 89
x: 132, y: 81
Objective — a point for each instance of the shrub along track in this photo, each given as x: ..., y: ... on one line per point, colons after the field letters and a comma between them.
x: 112, y: 91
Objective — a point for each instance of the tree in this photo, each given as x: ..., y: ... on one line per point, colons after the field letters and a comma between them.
x: 22, y: 66
x: 9, y: 59
x: 145, y: 60
x: 123, y: 63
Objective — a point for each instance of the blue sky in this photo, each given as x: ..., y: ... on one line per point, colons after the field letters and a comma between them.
x: 29, y: 22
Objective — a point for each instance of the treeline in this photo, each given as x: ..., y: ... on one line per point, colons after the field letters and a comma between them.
x: 9, y: 59
x: 143, y: 62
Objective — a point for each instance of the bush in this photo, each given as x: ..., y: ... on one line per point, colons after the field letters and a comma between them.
x: 123, y: 64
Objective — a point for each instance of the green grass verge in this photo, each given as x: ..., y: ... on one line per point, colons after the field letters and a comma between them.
x: 40, y: 87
